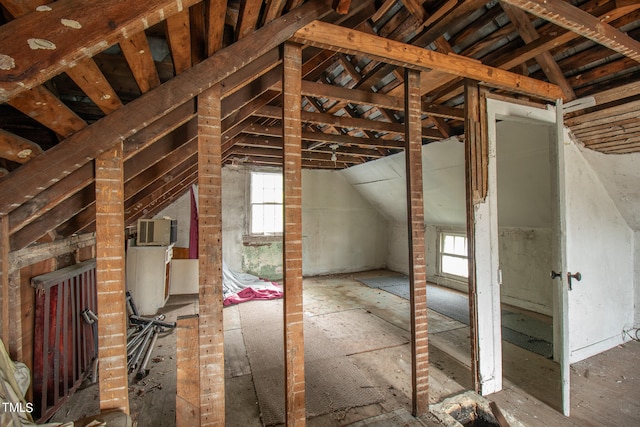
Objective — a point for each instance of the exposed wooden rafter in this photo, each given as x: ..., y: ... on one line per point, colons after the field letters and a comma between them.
x: 574, y: 19
x: 328, y: 36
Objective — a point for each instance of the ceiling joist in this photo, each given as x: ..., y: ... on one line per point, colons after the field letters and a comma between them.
x: 333, y: 37
x: 575, y: 19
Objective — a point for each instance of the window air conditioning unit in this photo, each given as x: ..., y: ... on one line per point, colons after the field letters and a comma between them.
x: 157, y: 232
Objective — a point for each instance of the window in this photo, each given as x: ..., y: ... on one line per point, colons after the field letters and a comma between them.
x: 266, y: 203
x: 453, y: 254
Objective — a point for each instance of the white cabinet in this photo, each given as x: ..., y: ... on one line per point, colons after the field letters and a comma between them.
x: 148, y: 275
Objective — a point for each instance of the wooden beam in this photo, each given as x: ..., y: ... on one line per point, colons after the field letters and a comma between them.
x: 611, y: 95
x: 38, y: 207
x: 22, y: 7
x: 179, y: 38
x: 337, y: 121
x: 57, y: 162
x: 247, y: 17
x: 41, y: 105
x: 328, y: 36
x: 356, y: 96
x: 475, y: 182
x: 528, y: 34
x: 341, y: 6
x: 136, y: 50
x: 89, y: 78
x: 16, y: 148
x: 39, y: 46
x: 292, y: 239
x: 110, y: 276
x: 417, y: 259
x: 216, y: 13
x: 575, y: 19
x: 326, y: 137
x: 188, y: 372
x: 273, y: 10
x: 212, y: 396
x: 166, y: 195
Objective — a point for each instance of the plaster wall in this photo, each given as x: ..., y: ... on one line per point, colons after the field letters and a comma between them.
x: 524, y: 216
x: 600, y: 245
x: 341, y: 231
x: 180, y: 210
x: 620, y: 175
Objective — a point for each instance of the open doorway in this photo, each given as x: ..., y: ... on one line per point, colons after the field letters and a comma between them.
x: 519, y: 242
x: 526, y: 225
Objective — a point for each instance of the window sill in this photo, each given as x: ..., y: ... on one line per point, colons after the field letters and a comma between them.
x: 260, y: 240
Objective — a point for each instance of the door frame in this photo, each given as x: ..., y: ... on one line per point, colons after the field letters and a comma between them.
x: 488, y: 331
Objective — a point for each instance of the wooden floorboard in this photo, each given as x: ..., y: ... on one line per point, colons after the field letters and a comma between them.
x: 605, y: 388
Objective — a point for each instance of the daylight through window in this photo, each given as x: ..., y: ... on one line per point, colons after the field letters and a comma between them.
x: 453, y: 254
x: 266, y: 203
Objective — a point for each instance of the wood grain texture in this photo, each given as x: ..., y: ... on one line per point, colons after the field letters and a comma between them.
x: 212, y: 397
x: 417, y: 256
x: 110, y: 275
x: 26, y: 182
x: 292, y: 239
x: 44, y: 44
x: 328, y: 36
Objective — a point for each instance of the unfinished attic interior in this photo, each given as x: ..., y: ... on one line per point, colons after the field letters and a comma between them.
x: 355, y: 212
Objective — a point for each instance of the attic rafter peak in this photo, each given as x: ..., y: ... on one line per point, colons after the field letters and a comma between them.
x: 54, y: 164
x: 577, y: 20
x: 40, y: 45
x: 339, y: 39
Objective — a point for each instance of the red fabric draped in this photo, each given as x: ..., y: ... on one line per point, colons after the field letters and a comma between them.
x: 193, y: 227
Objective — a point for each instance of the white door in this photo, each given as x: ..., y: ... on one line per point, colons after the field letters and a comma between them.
x: 490, y: 226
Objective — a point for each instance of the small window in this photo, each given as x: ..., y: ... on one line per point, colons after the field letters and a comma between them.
x: 453, y: 254
x: 266, y: 203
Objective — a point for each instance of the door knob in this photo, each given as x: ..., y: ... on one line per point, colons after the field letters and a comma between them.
x: 576, y: 276
x: 555, y: 275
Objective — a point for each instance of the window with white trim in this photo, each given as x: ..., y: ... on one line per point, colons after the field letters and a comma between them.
x: 453, y: 254
x: 266, y: 204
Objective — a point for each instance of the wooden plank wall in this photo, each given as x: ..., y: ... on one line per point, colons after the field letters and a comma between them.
x: 212, y: 399
x: 417, y: 267
x: 110, y: 274
x: 292, y: 175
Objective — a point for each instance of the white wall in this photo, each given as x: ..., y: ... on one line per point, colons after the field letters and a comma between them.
x: 620, y: 175
x: 180, y: 210
x: 341, y: 230
x: 524, y: 203
x: 600, y: 245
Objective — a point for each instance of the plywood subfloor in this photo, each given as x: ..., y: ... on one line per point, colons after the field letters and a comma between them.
x: 605, y: 388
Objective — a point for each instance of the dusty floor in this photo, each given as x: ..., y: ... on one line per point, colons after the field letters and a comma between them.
x: 605, y: 389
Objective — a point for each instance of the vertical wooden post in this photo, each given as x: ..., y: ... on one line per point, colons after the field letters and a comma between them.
x: 188, y: 372
x: 476, y: 159
x: 417, y: 267
x: 292, y: 176
x: 4, y: 277
x: 110, y: 274
x: 212, y: 399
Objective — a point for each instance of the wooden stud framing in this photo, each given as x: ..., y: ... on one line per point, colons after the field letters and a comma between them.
x: 212, y: 399
x: 476, y: 160
x: 292, y: 175
x: 417, y: 267
x: 110, y: 274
